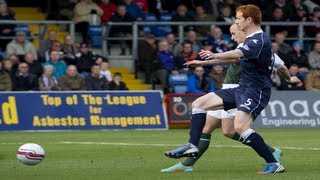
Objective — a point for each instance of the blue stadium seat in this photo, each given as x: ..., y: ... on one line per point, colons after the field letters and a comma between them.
x: 178, y: 83
x: 95, y: 33
x: 149, y: 17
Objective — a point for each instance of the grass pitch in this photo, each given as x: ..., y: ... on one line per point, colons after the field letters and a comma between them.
x: 139, y: 155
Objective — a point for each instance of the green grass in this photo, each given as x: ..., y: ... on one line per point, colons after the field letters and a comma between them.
x: 101, y: 161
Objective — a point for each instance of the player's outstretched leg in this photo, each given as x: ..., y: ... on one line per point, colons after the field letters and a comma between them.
x: 186, y: 165
x: 190, y: 149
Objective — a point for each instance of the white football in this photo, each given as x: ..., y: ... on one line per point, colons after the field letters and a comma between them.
x: 30, y: 154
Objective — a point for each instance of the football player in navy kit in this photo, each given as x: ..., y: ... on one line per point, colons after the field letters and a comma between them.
x: 250, y: 98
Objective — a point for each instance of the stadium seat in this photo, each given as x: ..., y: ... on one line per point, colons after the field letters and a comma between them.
x: 178, y: 83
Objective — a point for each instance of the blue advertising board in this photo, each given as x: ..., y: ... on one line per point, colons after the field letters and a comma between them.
x: 82, y: 110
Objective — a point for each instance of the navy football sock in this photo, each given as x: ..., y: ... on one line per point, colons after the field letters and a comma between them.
x: 198, y: 121
x: 255, y: 141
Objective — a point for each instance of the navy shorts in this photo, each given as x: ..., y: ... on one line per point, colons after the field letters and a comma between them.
x: 249, y: 100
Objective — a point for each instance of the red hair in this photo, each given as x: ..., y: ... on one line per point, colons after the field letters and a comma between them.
x: 252, y: 11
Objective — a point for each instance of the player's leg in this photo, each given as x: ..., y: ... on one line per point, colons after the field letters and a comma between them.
x: 212, y: 123
x: 198, y: 118
x: 249, y: 137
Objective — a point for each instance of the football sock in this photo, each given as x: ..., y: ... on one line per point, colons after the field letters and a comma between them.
x: 203, y: 146
x: 237, y: 137
x: 254, y: 140
x: 198, y: 120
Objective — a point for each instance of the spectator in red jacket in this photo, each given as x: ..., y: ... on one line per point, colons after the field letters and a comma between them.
x: 108, y: 10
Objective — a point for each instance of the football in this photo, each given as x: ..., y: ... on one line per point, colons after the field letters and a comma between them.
x: 30, y: 154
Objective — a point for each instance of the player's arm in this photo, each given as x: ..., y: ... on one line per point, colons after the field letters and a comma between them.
x: 283, y: 70
x: 210, y: 62
x: 233, y: 54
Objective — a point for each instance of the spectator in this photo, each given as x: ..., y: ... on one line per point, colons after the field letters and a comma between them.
x: 121, y: 15
x: 201, y: 16
x: 185, y: 55
x: 227, y: 17
x: 23, y: 80
x: 35, y: 67
x: 278, y: 16
x: 45, y: 45
x: 116, y: 83
x: 198, y: 83
x: 212, y: 8
x: 6, y: 30
x: 275, y: 49
x: 147, y: 57
x: 219, y: 43
x: 217, y: 74
x: 143, y: 5
x: 165, y: 56
x: 284, y: 48
x: 295, y: 5
x: 133, y: 10
x: 314, y: 56
x: 82, y: 12
x: 313, y: 80
x: 285, y: 7
x: 299, y: 57
x: 5, y: 80
x: 70, y: 50
x: 85, y: 59
x: 299, y: 14
x: 312, y: 30
x: 47, y: 82
x: 15, y: 61
x: 174, y: 46
x: 59, y: 65
x: 108, y: 8
x: 294, y: 71
x: 71, y: 81
x: 192, y: 38
x: 65, y: 9
x: 160, y: 6
x: 182, y: 16
x: 105, y: 71
x: 95, y: 81
x: 55, y: 46
x: 6, y: 65
x: 20, y: 46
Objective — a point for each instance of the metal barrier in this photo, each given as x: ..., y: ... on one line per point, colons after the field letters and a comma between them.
x: 43, y: 25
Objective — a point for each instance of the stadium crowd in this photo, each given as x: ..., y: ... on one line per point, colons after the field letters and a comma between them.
x: 70, y: 66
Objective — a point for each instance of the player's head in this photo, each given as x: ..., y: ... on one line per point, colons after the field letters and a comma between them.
x: 248, y: 15
x: 237, y: 35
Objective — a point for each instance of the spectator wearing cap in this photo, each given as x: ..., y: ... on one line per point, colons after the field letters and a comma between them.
x: 20, y: 46
x: 23, y: 80
x: 299, y: 57
x: 6, y: 30
x: 58, y: 64
x: 314, y: 56
x: 71, y: 81
x: 35, y: 67
x: 315, y: 17
x: 82, y: 12
x: 192, y: 38
x: 313, y: 80
x: 85, y: 59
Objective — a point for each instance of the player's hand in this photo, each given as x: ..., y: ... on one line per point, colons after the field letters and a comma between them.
x: 295, y: 80
x: 193, y: 63
x: 206, y: 54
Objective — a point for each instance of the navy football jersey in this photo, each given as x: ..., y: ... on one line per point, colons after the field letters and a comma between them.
x: 257, y: 62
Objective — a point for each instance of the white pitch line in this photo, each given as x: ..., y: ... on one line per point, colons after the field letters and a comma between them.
x: 163, y: 145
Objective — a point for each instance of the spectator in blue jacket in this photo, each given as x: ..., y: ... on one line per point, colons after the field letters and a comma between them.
x: 134, y: 10
x: 198, y: 83
x: 165, y: 56
x: 60, y: 66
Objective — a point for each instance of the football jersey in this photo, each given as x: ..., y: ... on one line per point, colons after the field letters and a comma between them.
x: 257, y: 62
